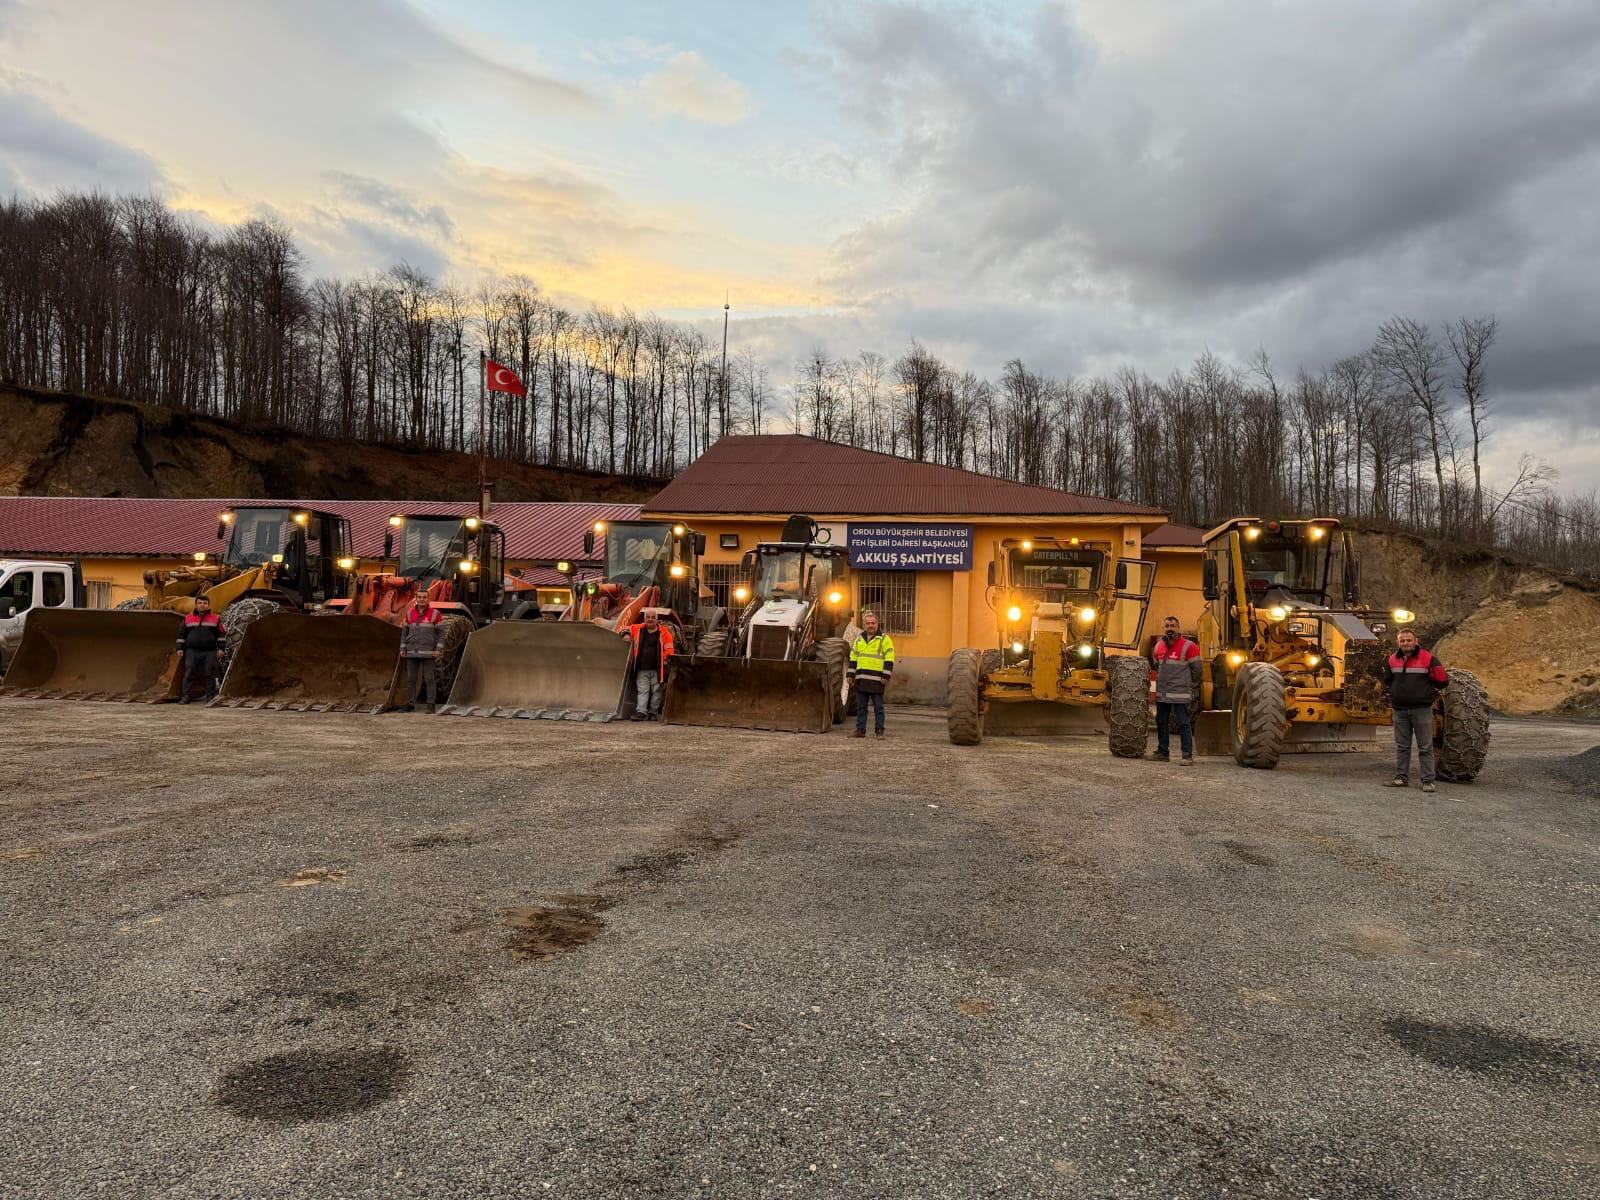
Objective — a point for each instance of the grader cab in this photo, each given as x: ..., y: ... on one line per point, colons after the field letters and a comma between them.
x: 1293, y: 654
x: 1063, y: 607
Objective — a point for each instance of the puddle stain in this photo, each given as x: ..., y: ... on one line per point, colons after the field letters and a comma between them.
x: 975, y: 1007
x: 311, y: 1085
x: 1249, y: 854
x: 541, y: 933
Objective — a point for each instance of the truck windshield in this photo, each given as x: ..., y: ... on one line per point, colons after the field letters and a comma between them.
x: 1055, y: 567
x: 429, y: 548
x: 636, y: 554
x: 778, y: 576
x: 1285, y: 562
x: 258, y: 534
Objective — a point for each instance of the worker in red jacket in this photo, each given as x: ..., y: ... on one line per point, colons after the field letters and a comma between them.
x: 420, y: 636
x: 201, y: 640
x: 1414, y: 677
x: 652, y: 646
x: 1175, y: 669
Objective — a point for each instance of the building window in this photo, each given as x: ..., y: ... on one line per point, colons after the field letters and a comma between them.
x: 892, y: 595
x: 720, y: 578
x: 99, y: 593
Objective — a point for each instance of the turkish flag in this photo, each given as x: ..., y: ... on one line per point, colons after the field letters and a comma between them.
x: 502, y: 379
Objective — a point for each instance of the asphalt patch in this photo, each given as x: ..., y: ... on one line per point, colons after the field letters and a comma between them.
x: 540, y: 933
x: 1581, y: 771
x: 1249, y: 854
x: 1483, y: 1050
x: 311, y: 1085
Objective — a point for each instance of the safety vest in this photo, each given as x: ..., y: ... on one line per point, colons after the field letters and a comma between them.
x: 872, y: 662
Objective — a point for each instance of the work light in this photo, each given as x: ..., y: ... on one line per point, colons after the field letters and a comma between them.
x: 1013, y: 613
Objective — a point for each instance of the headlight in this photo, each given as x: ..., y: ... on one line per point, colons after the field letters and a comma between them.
x: 278, y: 558
x: 199, y: 556
x: 1299, y: 628
x: 1087, y: 616
x: 599, y: 526
x: 1027, y: 544
x: 1013, y: 613
x: 1317, y: 531
x: 835, y: 597
x: 741, y: 593
x: 1252, y: 533
x: 472, y: 522
x: 1017, y: 647
x: 226, y: 518
x: 678, y: 570
x: 397, y: 521
x: 1235, y: 660
x: 468, y: 566
x: 1277, y: 612
x: 1403, y: 615
x: 301, y: 518
x: 347, y: 564
x: 1085, y: 651
x: 1313, y: 659
x: 564, y: 567
x: 677, y: 531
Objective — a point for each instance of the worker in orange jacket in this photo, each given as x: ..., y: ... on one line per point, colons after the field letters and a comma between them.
x: 652, y: 646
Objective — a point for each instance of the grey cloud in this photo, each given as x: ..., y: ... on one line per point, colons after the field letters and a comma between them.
x: 41, y: 151
x: 392, y: 202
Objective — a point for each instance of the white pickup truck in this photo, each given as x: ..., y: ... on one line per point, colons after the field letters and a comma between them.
x: 26, y: 585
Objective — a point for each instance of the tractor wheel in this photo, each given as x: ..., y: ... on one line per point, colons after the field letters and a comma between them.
x: 1260, y: 716
x: 240, y: 615
x: 835, y: 653
x: 713, y: 644
x: 1461, y: 728
x: 1128, y: 706
x: 453, y: 631
x: 964, y: 701
x: 138, y: 602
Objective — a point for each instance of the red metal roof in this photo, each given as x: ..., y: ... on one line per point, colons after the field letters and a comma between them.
x: 1176, y: 536
x: 792, y: 473
x: 52, y: 526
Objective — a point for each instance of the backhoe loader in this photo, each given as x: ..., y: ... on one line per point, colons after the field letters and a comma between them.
x: 345, y: 657
x: 781, y: 665
x: 1292, y: 652
x: 274, y: 559
x: 1060, y: 604
x: 576, y: 668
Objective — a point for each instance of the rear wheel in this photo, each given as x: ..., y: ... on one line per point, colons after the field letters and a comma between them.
x: 1128, y: 706
x: 1260, y: 716
x: 1461, y: 728
x: 964, y: 697
x: 834, y: 652
x: 452, y: 640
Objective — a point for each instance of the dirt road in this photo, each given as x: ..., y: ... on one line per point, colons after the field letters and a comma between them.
x: 250, y: 954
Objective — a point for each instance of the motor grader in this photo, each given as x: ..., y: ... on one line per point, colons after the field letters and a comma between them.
x: 576, y: 668
x: 1063, y: 606
x: 308, y: 662
x: 1293, y: 654
x: 781, y: 663
x: 275, y: 559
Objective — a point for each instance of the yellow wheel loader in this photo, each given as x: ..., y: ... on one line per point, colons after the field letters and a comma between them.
x: 576, y: 668
x: 781, y: 665
x: 1293, y: 655
x: 1063, y: 608
x: 345, y: 657
x: 274, y: 559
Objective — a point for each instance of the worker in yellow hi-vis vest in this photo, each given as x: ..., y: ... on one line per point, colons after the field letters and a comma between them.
x: 871, y: 664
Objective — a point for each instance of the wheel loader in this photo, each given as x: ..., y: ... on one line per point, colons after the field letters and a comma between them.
x: 274, y: 559
x: 1061, y: 606
x: 781, y: 665
x: 346, y: 656
x: 576, y: 668
x: 1292, y: 654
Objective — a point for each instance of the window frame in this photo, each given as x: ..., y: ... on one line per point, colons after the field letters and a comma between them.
x: 896, y: 614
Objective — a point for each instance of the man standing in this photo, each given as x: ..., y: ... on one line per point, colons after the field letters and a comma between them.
x: 1414, y: 677
x: 200, y: 639
x: 419, y: 639
x: 1175, y: 667
x: 652, y: 646
x: 871, y: 665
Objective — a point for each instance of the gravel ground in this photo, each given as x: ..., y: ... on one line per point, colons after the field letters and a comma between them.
x: 271, y: 954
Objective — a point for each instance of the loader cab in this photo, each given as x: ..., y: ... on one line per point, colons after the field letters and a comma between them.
x: 1077, y: 593
x: 805, y: 573
x: 304, y: 556
x: 468, y: 552
x: 1251, y: 565
x: 663, y: 554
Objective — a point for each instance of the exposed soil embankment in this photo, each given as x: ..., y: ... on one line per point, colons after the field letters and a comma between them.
x: 1532, y: 636
x: 54, y: 444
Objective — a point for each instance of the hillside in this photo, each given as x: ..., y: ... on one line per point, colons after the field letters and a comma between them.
x: 56, y: 444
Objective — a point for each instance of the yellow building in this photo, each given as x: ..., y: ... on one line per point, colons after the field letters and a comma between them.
x: 939, y: 523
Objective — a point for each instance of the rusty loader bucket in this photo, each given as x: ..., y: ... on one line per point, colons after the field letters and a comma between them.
x: 736, y: 693
x: 315, y: 664
x: 95, y: 654
x: 551, y: 670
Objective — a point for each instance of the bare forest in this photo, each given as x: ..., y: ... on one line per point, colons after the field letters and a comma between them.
x: 123, y: 297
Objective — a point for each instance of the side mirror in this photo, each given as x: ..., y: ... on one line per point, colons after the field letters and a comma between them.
x: 991, y: 574
x: 699, y: 544
x: 1352, y: 581
x: 1122, y: 576
x: 222, y: 530
x: 588, y: 543
x: 9, y: 611
x: 1208, y: 579
x: 388, y: 544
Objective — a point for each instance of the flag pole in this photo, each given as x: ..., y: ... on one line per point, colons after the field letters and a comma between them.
x: 483, y: 390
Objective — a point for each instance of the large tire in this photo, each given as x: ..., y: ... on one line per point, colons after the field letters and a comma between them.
x: 964, y: 697
x: 138, y: 602
x: 1461, y: 728
x: 1260, y: 716
x: 452, y: 641
x: 240, y: 615
x: 834, y: 653
x: 713, y: 644
x: 1128, y: 706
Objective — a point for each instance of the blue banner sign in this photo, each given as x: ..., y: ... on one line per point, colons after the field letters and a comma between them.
x: 911, y: 547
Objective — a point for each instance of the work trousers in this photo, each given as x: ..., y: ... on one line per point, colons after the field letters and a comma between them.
x: 198, y: 664
x: 648, y: 685
x: 422, y: 672
x: 1409, y: 724
x: 1167, y: 713
x: 863, y: 700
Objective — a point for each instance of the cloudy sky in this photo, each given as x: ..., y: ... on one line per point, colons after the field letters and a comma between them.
x: 1079, y: 183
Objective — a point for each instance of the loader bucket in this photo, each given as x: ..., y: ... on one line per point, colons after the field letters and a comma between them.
x: 554, y: 670
x: 95, y: 654
x: 757, y: 693
x: 315, y: 664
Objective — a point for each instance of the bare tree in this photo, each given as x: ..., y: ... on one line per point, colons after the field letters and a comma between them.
x: 1470, y: 339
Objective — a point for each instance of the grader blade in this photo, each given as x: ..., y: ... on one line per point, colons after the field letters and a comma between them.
x: 734, y: 693
x: 315, y: 664
x: 549, y: 670
x: 94, y: 654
